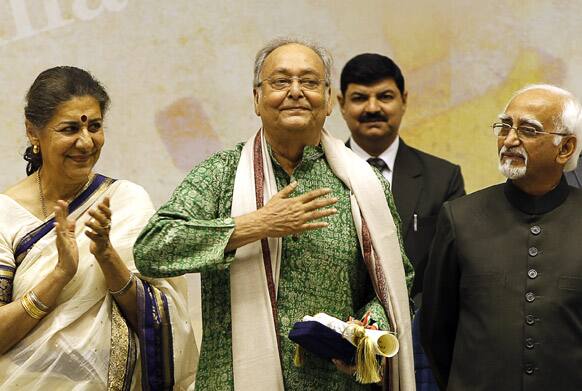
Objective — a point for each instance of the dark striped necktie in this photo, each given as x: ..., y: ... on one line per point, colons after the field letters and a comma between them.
x: 378, y: 163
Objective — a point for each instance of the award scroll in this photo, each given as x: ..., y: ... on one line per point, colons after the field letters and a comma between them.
x: 354, y: 342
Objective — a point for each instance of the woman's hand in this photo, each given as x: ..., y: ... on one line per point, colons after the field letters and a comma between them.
x: 68, y: 259
x: 98, y: 230
x: 116, y: 273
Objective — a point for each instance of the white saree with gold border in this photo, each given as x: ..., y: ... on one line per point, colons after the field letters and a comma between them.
x: 84, y: 343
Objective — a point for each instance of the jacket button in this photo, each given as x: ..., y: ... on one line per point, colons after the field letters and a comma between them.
x: 532, y: 273
x: 535, y: 229
x: 529, y: 343
x: 529, y: 296
x: 530, y: 320
x: 529, y: 370
x: 533, y: 251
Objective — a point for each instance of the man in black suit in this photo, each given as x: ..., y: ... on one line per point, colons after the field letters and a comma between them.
x: 502, y: 309
x: 373, y: 102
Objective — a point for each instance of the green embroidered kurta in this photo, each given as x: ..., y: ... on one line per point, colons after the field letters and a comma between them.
x: 321, y: 270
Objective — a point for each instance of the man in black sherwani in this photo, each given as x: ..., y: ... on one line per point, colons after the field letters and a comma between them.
x: 502, y: 309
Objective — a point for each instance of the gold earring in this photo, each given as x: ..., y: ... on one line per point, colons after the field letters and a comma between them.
x: 35, y: 149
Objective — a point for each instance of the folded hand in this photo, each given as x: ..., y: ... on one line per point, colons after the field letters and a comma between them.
x: 343, y: 367
x: 285, y: 215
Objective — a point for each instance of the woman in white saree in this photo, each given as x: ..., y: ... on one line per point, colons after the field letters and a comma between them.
x: 74, y: 313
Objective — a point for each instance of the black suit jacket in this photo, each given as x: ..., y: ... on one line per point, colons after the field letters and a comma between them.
x: 421, y: 183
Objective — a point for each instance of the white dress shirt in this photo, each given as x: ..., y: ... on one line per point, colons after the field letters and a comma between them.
x: 389, y: 156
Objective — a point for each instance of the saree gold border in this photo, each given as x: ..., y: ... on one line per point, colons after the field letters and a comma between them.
x: 122, y: 357
x: 98, y: 192
x: 5, y: 290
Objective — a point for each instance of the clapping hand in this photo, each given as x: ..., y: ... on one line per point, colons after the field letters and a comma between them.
x: 98, y: 229
x: 68, y: 259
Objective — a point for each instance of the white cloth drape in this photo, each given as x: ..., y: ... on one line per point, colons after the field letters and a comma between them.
x: 256, y: 363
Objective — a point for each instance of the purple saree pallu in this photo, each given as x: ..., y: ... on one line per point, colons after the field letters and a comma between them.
x: 155, y: 338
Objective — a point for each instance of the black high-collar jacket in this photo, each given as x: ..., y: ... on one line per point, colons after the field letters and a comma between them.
x: 502, y: 305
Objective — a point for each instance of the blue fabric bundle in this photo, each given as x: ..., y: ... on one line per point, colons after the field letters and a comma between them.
x: 322, y: 341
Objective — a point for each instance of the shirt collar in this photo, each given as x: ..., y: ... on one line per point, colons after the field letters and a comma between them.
x: 536, y: 205
x: 311, y: 153
x: 389, y: 154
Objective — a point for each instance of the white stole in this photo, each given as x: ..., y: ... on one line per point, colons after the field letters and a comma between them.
x: 256, y: 362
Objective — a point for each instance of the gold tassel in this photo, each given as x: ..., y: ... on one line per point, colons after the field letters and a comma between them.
x: 299, y: 356
x: 367, y: 367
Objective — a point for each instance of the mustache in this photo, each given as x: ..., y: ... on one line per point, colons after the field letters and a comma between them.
x: 519, y: 150
x: 372, y: 117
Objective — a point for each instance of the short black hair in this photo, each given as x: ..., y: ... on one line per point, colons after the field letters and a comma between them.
x: 370, y: 68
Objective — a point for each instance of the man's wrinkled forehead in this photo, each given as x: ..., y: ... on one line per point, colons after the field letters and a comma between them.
x: 293, y: 58
x: 536, y: 106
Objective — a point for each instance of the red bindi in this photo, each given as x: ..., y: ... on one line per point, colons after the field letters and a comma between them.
x: 83, y: 118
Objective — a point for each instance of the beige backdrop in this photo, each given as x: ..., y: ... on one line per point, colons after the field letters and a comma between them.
x: 179, y: 72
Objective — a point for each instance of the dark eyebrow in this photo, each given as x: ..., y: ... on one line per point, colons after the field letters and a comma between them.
x: 77, y: 122
x: 68, y: 123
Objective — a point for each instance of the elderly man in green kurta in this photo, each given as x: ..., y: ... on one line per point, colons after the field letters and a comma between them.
x: 288, y: 224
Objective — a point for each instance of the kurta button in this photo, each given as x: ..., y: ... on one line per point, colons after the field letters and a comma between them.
x: 530, y: 320
x: 532, y: 273
x: 533, y: 251
x: 529, y: 343
x: 529, y: 296
x: 535, y: 229
x: 529, y: 370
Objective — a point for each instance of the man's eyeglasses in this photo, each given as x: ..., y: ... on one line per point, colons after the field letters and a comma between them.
x: 284, y: 83
x: 501, y: 129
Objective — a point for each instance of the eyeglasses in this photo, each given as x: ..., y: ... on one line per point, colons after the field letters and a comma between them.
x: 523, y: 131
x: 284, y: 83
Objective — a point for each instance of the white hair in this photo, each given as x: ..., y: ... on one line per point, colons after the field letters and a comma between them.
x: 570, y: 120
x: 277, y: 43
